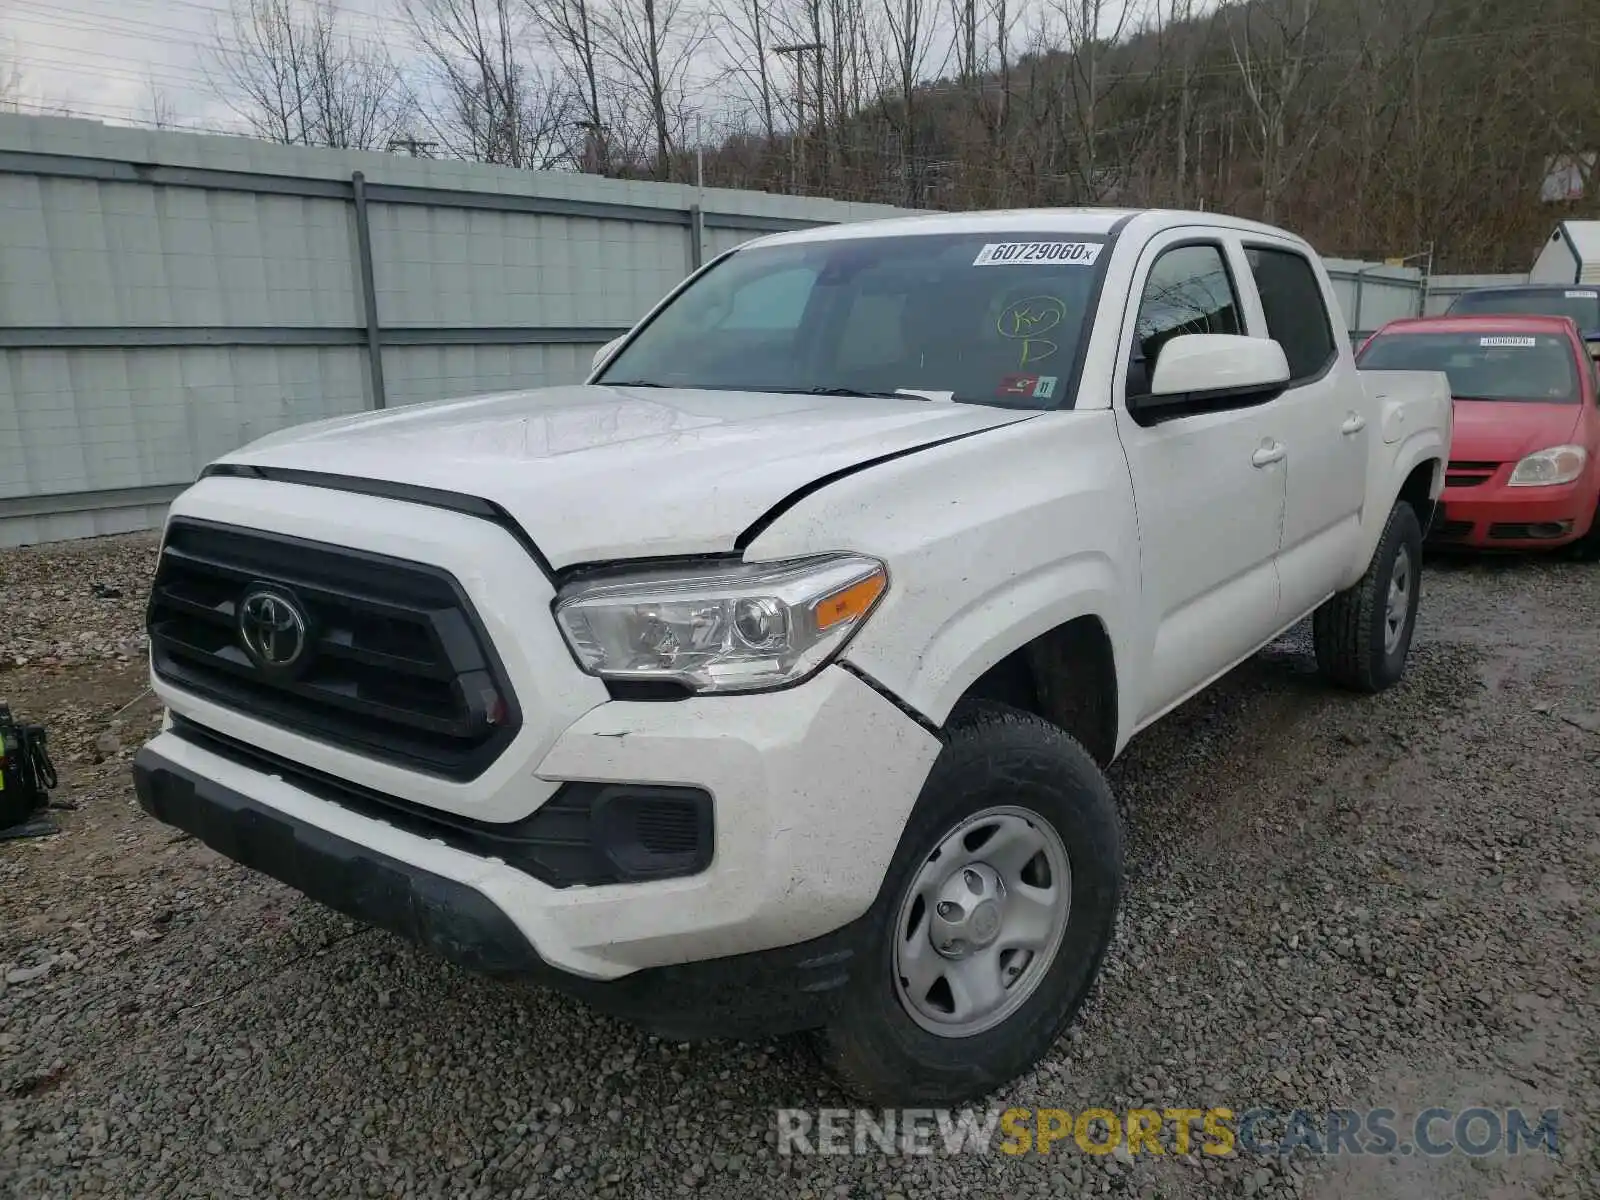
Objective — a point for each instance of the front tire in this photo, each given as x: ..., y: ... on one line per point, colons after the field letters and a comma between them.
x: 1363, y: 634
x: 992, y: 921
x: 1587, y: 548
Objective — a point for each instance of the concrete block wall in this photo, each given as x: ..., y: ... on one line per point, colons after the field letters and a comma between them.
x: 1371, y: 294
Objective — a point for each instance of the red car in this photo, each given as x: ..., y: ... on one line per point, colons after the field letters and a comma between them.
x: 1524, y: 467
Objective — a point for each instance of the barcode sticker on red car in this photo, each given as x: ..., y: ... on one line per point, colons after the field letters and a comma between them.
x: 1583, y: 295
x: 1505, y: 340
x: 1038, y: 254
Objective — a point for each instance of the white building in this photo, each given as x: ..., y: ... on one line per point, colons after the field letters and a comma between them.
x: 1570, y: 255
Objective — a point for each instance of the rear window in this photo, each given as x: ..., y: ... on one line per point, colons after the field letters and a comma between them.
x: 1483, y: 366
x: 1582, y: 305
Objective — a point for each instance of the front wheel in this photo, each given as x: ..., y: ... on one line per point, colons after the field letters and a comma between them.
x: 1363, y: 634
x: 1587, y: 548
x: 992, y: 921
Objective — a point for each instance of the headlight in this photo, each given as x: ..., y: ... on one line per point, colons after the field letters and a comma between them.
x: 1558, y: 464
x: 730, y: 627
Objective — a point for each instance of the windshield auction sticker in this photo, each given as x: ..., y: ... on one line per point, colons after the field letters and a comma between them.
x: 1038, y: 254
x: 1583, y: 295
x: 1507, y: 341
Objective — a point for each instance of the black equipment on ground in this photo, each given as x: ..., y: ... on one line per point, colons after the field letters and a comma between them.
x: 26, y: 777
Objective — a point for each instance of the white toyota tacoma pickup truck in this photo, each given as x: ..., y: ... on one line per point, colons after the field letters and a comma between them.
x: 763, y: 682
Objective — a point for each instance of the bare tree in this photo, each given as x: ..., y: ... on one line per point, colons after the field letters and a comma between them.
x: 490, y: 101
x: 10, y: 83
x: 163, y: 115
x: 744, y: 39
x: 1273, y: 44
x: 652, y: 44
x: 572, y: 27
x: 1093, y: 29
x: 1182, y: 43
x: 910, y: 28
x: 289, y: 72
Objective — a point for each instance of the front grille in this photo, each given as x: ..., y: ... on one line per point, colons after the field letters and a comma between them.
x: 1461, y: 473
x: 395, y: 663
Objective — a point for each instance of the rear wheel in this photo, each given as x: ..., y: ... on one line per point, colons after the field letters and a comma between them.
x: 992, y: 921
x: 1363, y: 634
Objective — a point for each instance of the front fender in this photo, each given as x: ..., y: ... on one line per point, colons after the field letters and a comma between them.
x: 990, y: 542
x: 991, y: 624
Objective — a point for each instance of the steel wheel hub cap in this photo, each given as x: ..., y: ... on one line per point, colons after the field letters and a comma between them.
x: 981, y: 921
x: 1398, y: 601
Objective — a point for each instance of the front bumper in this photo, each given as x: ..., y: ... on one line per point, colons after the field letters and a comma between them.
x: 810, y: 788
x: 1493, y: 516
x: 750, y: 995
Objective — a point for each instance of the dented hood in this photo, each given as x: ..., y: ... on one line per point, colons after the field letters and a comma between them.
x: 594, y: 473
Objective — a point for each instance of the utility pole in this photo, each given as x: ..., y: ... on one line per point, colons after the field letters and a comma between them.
x: 699, y: 156
x: 799, y: 50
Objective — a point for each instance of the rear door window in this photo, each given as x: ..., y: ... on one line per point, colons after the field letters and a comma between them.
x: 1297, y: 315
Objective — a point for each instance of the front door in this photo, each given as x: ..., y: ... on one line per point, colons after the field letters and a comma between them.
x: 1208, y: 487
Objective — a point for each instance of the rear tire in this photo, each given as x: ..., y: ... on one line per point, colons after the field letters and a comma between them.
x: 1363, y: 634
x: 1017, y: 789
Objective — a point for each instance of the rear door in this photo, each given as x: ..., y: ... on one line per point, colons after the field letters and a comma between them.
x: 1322, y: 417
x: 1208, y: 486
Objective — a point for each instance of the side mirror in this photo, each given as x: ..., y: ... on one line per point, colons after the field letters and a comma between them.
x: 1195, y: 371
x: 605, y: 352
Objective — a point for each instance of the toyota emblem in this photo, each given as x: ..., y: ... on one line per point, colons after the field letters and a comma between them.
x: 273, y: 628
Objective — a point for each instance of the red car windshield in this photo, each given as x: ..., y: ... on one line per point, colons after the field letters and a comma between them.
x: 1483, y: 366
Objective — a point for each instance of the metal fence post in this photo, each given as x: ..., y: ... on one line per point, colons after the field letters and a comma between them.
x: 697, y: 237
x: 1356, y: 321
x: 369, y: 291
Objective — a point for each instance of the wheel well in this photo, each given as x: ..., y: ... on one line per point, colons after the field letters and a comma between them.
x: 1068, y: 676
x: 1417, y: 490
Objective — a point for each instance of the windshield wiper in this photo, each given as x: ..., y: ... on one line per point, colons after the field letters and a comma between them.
x: 850, y: 391
x: 632, y: 383
x: 859, y: 393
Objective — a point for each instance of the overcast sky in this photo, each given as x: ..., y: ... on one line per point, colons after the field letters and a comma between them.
x: 111, y: 59
x: 105, y: 58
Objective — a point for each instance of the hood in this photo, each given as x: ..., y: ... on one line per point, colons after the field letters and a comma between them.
x: 1506, y: 430
x: 594, y: 473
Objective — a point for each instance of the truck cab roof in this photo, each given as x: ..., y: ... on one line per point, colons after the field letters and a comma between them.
x: 1093, y: 222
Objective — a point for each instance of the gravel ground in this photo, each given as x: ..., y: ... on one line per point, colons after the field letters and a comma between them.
x: 1334, y: 901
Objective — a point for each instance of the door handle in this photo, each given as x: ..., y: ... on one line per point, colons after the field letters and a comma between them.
x: 1353, y: 424
x: 1268, y: 454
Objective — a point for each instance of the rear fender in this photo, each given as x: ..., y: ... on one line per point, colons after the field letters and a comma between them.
x: 1418, y: 448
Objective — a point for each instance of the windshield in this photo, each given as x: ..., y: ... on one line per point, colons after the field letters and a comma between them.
x: 952, y: 316
x: 1484, y: 366
x: 1580, y: 304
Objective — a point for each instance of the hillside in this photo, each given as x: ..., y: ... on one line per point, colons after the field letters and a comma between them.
x: 1375, y: 127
